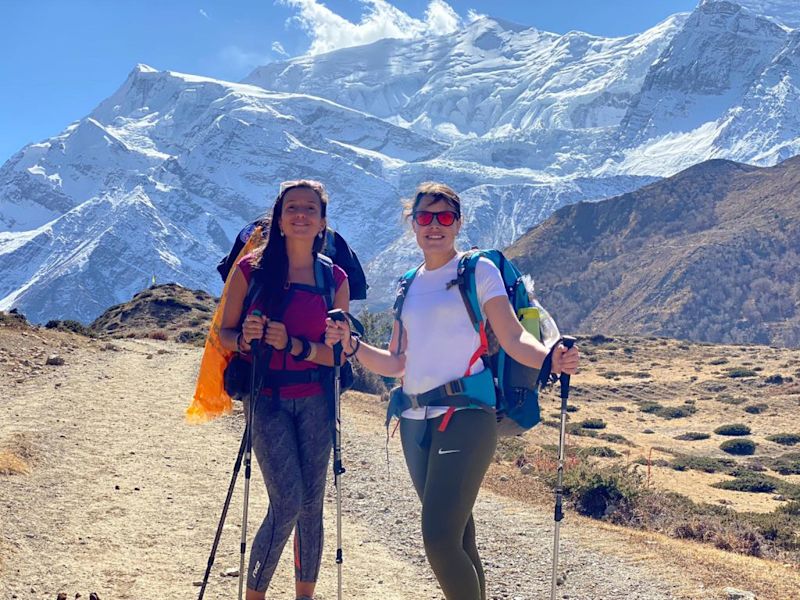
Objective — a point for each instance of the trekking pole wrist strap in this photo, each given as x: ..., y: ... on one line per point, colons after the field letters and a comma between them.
x: 355, y: 346
x: 240, y: 343
x: 546, y: 372
x: 305, y: 351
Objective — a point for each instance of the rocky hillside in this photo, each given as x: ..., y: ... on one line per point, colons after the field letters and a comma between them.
x: 710, y: 254
x: 168, y: 311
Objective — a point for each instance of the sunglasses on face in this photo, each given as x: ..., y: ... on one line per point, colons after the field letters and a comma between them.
x: 445, y: 217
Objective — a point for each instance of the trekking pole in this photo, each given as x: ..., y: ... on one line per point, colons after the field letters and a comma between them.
x: 248, y: 447
x: 236, y: 466
x: 338, y: 469
x: 568, y: 342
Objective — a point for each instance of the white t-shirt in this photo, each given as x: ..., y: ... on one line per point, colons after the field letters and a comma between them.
x: 439, y: 335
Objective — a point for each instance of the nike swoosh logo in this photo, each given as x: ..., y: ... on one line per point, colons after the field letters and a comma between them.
x: 447, y: 451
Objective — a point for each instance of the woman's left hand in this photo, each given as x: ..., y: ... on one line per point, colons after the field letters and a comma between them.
x: 566, y: 360
x: 275, y: 335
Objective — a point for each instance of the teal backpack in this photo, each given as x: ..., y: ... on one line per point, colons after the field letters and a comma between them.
x: 505, y: 387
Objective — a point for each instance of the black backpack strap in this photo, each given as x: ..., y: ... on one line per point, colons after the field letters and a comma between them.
x: 324, y: 280
x: 225, y: 265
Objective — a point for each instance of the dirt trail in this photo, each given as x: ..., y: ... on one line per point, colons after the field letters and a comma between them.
x: 123, y: 500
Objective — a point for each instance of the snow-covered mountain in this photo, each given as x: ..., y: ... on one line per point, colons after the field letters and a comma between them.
x: 158, y: 179
x: 781, y: 11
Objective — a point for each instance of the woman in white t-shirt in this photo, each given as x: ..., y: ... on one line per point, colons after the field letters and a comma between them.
x: 447, y: 450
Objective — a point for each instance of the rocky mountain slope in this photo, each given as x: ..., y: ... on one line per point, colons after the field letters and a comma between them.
x: 711, y: 254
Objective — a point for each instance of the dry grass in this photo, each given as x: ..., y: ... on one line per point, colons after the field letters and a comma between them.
x: 11, y: 464
x: 17, y: 455
x: 767, y: 579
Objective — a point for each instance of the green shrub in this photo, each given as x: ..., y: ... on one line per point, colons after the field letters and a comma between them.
x: 366, y: 381
x: 706, y: 464
x: 578, y: 430
x: 756, y: 409
x: 691, y: 436
x: 617, y: 409
x: 728, y: 399
x: 600, y: 493
x: 650, y: 407
x: 741, y: 447
x: 196, y: 338
x: 571, y: 408
x: 733, y: 429
x: 748, y: 482
x: 676, y: 412
x: 599, y: 451
x: 70, y: 325
x: 593, y: 424
x: 615, y: 438
x: 737, y: 372
x: 718, y: 361
x: 776, y: 379
x: 779, y: 528
x: 791, y: 508
x: 785, y: 439
x: 12, y: 318
x: 510, y: 449
x: 157, y: 335
x: 610, y: 374
x: 787, y: 464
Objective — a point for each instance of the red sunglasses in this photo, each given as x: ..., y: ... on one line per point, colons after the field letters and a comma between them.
x: 445, y: 217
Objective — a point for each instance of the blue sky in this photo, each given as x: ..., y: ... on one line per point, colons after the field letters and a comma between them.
x: 61, y: 58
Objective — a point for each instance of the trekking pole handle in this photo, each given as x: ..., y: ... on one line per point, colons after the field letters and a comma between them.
x: 254, y: 344
x: 568, y: 342
x: 337, y: 314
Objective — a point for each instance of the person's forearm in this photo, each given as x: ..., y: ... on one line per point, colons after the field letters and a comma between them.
x: 527, y: 350
x: 381, y: 361
x: 229, y: 337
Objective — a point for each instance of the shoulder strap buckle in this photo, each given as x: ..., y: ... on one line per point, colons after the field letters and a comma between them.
x: 454, y: 388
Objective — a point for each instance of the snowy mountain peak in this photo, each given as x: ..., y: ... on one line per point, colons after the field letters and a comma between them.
x: 786, y: 12
x: 161, y: 176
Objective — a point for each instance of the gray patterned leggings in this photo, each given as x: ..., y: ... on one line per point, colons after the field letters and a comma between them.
x: 292, y: 443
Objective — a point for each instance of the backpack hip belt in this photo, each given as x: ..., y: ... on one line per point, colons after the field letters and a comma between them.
x: 475, y: 391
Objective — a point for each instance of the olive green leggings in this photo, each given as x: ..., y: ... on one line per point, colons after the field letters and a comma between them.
x: 447, y: 468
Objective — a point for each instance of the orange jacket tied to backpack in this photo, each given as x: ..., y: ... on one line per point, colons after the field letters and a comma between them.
x: 210, y: 399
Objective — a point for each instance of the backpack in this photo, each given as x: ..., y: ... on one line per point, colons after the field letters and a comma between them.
x: 237, y: 372
x: 505, y: 386
x: 335, y: 248
x: 210, y: 398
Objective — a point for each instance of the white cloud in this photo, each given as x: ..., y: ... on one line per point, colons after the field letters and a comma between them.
x: 329, y: 31
x: 440, y: 16
x: 277, y: 48
x: 473, y: 15
x: 240, y: 60
x: 204, y: 14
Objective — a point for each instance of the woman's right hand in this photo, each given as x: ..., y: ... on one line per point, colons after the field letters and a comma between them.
x: 338, y: 332
x: 253, y: 328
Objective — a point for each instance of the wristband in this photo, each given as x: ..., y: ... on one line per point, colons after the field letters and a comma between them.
x: 355, y: 348
x: 239, y: 340
x: 305, y: 352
